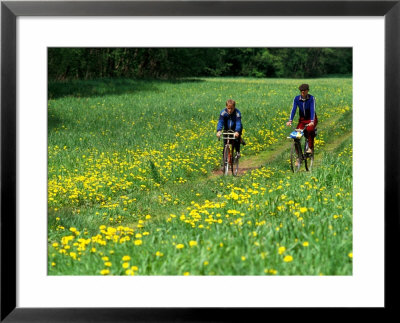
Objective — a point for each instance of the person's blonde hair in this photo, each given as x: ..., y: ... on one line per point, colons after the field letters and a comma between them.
x: 231, y: 102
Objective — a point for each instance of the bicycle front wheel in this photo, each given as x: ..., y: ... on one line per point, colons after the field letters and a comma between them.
x: 295, y: 160
x: 226, y: 160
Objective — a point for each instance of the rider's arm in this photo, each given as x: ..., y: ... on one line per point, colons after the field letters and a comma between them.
x: 294, y: 108
x: 238, y: 127
x: 312, y: 109
x: 220, y: 124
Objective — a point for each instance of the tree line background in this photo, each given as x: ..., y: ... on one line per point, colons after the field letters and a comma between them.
x: 92, y: 63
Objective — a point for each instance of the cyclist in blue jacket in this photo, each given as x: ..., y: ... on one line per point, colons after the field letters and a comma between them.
x: 307, y: 115
x: 231, y: 119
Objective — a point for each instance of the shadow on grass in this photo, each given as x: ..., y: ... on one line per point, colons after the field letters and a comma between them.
x: 101, y: 87
x: 53, y: 121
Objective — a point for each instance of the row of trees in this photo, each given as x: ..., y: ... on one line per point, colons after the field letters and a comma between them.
x: 89, y: 63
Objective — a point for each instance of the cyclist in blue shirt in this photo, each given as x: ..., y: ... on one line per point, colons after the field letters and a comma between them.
x: 231, y: 119
x: 307, y: 115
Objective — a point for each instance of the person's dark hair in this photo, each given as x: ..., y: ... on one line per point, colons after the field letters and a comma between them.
x: 304, y: 87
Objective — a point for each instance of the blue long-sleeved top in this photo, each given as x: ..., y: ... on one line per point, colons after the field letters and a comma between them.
x: 306, y: 107
x: 230, y: 121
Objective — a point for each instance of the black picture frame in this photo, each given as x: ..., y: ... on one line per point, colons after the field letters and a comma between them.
x: 10, y: 10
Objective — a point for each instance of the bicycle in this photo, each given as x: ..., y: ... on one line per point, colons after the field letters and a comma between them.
x: 229, y: 159
x: 297, y: 155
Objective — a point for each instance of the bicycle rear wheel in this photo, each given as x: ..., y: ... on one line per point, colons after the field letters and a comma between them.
x: 309, y: 158
x: 295, y: 160
x: 235, y: 165
x: 226, y: 160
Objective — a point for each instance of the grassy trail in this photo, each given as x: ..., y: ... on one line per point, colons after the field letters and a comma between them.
x: 329, y: 148
x: 263, y: 159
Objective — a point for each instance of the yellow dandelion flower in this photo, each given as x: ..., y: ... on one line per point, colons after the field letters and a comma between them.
x: 305, y: 244
x: 288, y: 258
x: 125, y: 265
x: 281, y: 250
x: 350, y: 255
x: 179, y: 246
x: 126, y: 258
x: 138, y: 242
x: 105, y: 272
x: 192, y: 243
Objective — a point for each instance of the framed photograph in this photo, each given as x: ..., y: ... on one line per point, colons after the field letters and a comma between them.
x: 118, y: 201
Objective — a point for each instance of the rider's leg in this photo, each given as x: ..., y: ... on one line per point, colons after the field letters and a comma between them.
x: 310, y: 135
x: 301, y: 125
x: 237, y: 144
x: 241, y: 140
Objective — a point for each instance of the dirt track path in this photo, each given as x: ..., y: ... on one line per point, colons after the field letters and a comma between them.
x: 258, y: 161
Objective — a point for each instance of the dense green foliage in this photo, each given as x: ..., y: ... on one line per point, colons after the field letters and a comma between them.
x: 134, y: 187
x: 89, y: 63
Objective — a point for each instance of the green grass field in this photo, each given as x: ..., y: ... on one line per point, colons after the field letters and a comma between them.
x: 132, y: 187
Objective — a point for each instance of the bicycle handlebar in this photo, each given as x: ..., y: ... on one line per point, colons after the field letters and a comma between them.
x: 227, y: 134
x: 305, y: 126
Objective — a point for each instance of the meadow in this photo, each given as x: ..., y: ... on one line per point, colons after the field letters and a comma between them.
x: 134, y: 188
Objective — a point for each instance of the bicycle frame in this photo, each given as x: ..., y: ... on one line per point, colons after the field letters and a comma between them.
x: 229, y: 137
x: 297, y: 135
